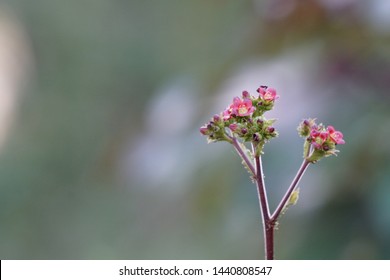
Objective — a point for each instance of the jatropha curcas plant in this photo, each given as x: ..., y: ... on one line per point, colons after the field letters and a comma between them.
x: 243, y: 124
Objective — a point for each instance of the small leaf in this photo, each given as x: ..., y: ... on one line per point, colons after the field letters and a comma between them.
x: 292, y: 200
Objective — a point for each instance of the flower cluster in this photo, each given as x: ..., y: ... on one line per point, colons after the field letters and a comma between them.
x: 244, y: 118
x: 243, y: 122
x: 320, y: 141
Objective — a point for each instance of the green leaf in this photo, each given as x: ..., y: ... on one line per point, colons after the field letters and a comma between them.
x: 292, y: 200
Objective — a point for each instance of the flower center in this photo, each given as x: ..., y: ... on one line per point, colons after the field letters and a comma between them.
x: 267, y: 96
x: 242, y: 110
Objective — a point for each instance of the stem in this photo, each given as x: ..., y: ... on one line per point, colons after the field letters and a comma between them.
x: 261, y: 189
x: 269, y: 241
x: 289, y: 191
x: 268, y: 225
x: 243, y: 155
x: 268, y: 220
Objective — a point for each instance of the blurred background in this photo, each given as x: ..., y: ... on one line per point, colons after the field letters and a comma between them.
x: 101, y: 104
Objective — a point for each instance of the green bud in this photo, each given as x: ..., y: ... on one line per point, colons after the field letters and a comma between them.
x: 305, y: 127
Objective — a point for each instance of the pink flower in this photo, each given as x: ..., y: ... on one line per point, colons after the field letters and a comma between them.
x: 227, y: 113
x: 268, y: 94
x: 335, y: 136
x: 243, y: 107
x: 318, y: 138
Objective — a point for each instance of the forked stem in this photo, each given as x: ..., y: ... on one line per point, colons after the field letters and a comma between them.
x: 268, y: 221
x: 290, y: 190
x: 268, y: 227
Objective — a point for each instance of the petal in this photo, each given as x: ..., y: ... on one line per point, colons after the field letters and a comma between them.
x: 324, y: 135
x: 236, y: 101
x: 341, y: 141
x: 248, y: 103
x: 331, y: 129
x: 261, y: 91
x: 314, y: 133
x: 337, y: 137
x: 272, y: 91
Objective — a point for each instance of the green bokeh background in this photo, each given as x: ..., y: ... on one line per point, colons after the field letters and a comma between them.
x: 104, y: 159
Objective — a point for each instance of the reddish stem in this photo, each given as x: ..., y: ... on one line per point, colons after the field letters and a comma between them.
x: 242, y: 154
x: 268, y: 220
x: 289, y: 191
x: 268, y: 227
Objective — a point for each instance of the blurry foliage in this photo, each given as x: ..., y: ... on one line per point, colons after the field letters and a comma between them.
x: 98, y: 65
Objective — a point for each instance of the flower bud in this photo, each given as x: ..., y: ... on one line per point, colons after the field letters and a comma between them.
x: 270, y: 129
x: 261, y: 88
x: 233, y: 126
x: 203, y: 130
x: 306, y: 127
x: 244, y: 130
x: 245, y: 94
x: 325, y: 147
x: 256, y: 137
x: 216, y: 118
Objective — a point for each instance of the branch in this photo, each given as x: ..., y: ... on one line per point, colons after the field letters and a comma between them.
x: 243, y: 155
x: 268, y: 226
x: 261, y: 189
x: 287, y: 195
